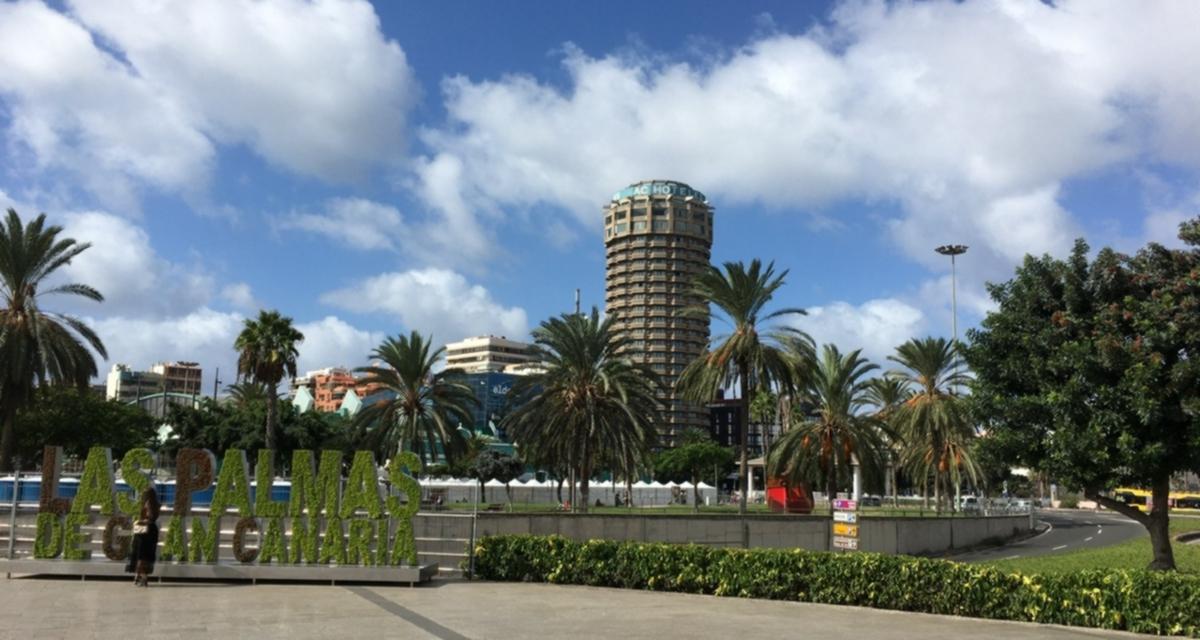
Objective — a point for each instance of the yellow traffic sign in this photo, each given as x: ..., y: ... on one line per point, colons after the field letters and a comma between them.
x: 843, y: 529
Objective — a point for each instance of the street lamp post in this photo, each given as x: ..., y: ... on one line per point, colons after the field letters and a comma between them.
x: 954, y: 250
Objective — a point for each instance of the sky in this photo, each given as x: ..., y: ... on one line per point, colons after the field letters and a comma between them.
x: 443, y: 166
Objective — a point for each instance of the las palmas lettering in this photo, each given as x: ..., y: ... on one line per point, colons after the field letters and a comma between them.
x: 327, y: 518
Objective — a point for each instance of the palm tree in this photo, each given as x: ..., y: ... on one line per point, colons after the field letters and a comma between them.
x: 428, y: 407
x: 836, y: 433
x: 748, y: 356
x: 887, y: 393
x: 37, y: 346
x: 266, y: 352
x: 933, y: 421
x: 243, y: 394
x: 590, y: 403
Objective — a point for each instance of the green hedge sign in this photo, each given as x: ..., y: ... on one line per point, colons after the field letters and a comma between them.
x: 328, y: 518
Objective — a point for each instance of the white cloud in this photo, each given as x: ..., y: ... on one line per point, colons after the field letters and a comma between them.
x: 436, y: 302
x: 970, y: 115
x: 74, y: 107
x: 156, y: 310
x: 876, y: 326
x: 332, y: 342
x: 1163, y: 226
x: 207, y: 336
x: 125, y: 268
x: 311, y: 86
x: 240, y: 296
x: 203, y: 335
x: 1162, y: 223
x: 355, y: 222
x: 455, y: 227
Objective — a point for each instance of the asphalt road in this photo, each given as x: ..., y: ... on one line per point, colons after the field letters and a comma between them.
x: 1063, y: 531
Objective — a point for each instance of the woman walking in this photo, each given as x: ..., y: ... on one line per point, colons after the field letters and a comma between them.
x: 144, y: 549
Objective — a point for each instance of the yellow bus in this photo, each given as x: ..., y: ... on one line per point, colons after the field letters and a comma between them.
x: 1140, y: 498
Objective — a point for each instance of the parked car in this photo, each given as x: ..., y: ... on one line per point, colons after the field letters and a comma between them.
x: 968, y: 504
x: 870, y: 501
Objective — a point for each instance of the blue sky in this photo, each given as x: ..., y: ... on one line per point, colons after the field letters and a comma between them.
x: 370, y: 169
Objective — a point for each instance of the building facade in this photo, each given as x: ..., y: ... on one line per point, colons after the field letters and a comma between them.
x: 725, y: 415
x: 482, y: 354
x: 491, y: 392
x: 125, y: 384
x: 658, y: 238
x: 180, y: 377
x: 323, y: 390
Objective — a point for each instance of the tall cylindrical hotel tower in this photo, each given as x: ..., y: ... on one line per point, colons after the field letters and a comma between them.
x: 658, y: 237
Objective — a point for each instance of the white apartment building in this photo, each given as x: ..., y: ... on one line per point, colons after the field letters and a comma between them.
x: 482, y: 354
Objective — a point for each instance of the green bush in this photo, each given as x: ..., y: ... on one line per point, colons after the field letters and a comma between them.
x: 1068, y: 501
x: 1139, y: 601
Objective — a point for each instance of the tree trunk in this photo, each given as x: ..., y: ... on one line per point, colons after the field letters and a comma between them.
x: 895, y: 487
x: 1156, y: 522
x: 584, y: 471
x: 744, y: 419
x: 831, y: 483
x: 482, y: 491
x: 7, y: 438
x: 572, y: 474
x: 937, y: 492
x: 583, y: 490
x: 1160, y: 534
x: 695, y: 491
x: 272, y: 416
x: 559, y: 490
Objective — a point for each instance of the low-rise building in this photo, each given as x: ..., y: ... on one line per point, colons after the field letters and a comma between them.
x: 180, y: 377
x: 326, y: 389
x: 125, y: 384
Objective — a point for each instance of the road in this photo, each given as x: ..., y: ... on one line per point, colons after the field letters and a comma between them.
x: 1064, y: 531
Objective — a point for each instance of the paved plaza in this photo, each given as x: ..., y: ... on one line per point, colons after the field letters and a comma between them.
x: 58, y: 608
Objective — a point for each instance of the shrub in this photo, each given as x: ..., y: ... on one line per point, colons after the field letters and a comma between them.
x: 1068, y: 501
x: 1139, y: 601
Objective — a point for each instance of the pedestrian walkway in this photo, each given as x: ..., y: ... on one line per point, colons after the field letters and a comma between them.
x: 452, y: 610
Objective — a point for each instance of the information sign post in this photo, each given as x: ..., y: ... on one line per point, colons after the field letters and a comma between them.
x: 845, y: 525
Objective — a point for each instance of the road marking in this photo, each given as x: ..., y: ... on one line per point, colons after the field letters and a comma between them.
x: 1049, y: 528
x: 1088, y: 539
x: 1061, y: 546
x: 1012, y: 557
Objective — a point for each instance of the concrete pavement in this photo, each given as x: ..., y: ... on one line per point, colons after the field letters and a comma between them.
x: 453, y: 610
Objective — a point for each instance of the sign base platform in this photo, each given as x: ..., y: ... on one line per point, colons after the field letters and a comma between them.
x: 333, y: 574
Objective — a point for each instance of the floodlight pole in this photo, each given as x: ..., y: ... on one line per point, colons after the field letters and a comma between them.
x: 954, y: 250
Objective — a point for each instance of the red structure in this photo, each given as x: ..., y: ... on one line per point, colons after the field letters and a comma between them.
x: 786, y: 499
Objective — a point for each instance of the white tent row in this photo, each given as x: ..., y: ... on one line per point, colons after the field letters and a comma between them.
x: 532, y: 491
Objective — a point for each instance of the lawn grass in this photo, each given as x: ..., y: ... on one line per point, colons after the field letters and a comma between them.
x: 1131, y: 554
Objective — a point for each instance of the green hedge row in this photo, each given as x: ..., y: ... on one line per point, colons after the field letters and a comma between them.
x: 1140, y: 601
